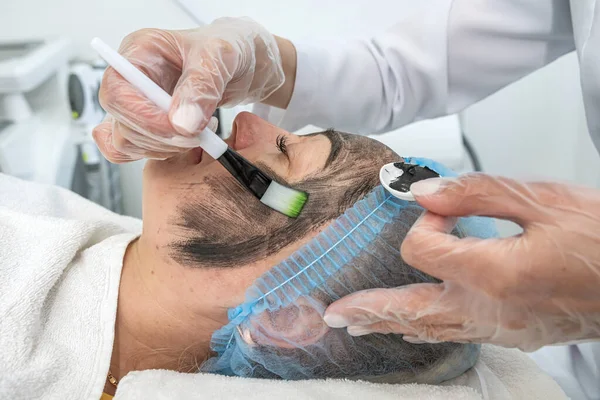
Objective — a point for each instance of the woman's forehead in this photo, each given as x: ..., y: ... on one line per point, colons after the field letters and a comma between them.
x: 350, y: 152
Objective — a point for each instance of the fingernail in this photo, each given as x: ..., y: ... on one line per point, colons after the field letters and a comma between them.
x: 354, y: 330
x: 213, y: 124
x: 335, y: 321
x: 413, y: 340
x: 188, y: 118
x: 426, y: 187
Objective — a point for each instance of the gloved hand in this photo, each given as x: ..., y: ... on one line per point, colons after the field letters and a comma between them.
x: 538, y: 288
x: 231, y: 61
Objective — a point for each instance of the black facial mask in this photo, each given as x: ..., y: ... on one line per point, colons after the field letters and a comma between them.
x: 412, y: 173
x: 231, y: 228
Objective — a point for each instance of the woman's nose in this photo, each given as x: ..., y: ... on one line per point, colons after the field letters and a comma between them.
x: 250, y: 130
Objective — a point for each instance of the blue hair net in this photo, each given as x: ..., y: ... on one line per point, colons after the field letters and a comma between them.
x: 278, y: 332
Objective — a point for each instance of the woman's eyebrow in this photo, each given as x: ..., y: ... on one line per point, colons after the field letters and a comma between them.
x: 337, y: 143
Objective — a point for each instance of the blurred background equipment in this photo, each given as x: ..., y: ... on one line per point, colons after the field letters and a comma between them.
x: 48, y: 109
x: 94, y: 177
x: 83, y: 85
x: 25, y: 65
x: 34, y: 129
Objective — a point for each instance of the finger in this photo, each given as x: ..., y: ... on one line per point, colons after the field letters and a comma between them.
x: 418, y: 333
x: 383, y: 327
x: 102, y: 135
x: 201, y: 87
x: 127, y: 141
x: 437, y: 334
x: 427, y: 313
x: 128, y: 105
x: 470, y: 261
x: 213, y: 124
x: 399, y: 305
x: 415, y: 336
x: 482, y: 195
x: 433, y: 313
x: 157, y: 53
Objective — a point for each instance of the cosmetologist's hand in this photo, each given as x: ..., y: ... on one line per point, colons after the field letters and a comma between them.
x: 231, y: 61
x: 538, y: 288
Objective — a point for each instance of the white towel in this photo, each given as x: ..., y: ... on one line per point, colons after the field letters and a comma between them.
x: 499, y: 374
x: 161, y: 384
x: 60, y: 265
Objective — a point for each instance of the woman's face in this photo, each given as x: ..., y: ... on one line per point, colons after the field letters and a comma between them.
x: 189, y: 175
x: 197, y: 216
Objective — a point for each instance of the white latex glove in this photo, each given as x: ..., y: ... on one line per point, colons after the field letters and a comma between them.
x: 538, y: 288
x: 231, y: 61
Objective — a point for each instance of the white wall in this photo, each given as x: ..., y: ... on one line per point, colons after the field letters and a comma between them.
x: 536, y: 128
x: 81, y: 20
x: 302, y: 18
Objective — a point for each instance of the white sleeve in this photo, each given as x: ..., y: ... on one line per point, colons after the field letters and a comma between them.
x: 452, y: 56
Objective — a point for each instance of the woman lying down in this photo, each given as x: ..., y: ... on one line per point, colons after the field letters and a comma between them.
x: 212, y: 280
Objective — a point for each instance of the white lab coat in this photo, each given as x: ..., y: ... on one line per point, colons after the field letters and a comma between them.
x: 455, y: 54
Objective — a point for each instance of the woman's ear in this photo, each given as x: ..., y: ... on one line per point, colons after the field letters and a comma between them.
x: 297, y: 325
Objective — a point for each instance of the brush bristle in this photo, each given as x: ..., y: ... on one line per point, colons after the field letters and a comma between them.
x: 284, y: 199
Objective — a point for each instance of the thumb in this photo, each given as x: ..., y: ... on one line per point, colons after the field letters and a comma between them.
x: 198, y: 92
x: 370, y: 306
x: 191, y: 110
x: 478, y: 195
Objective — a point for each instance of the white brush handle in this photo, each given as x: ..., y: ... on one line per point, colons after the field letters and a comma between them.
x: 207, y: 139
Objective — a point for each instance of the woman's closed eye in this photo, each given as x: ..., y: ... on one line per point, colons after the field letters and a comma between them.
x: 281, y: 144
x: 302, y: 155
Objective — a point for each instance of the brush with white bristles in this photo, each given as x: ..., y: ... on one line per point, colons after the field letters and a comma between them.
x: 280, y: 198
